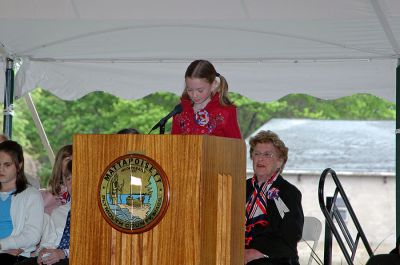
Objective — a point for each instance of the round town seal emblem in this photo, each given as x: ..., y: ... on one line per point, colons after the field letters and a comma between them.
x: 134, y: 193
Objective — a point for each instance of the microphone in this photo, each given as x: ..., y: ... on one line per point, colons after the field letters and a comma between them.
x: 161, y: 123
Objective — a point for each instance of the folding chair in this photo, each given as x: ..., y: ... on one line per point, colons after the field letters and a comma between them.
x: 311, y: 232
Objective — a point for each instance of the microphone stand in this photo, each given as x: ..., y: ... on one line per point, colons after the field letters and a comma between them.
x: 162, y: 128
x: 160, y: 124
x: 163, y: 121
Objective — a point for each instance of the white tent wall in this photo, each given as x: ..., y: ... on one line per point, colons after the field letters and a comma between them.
x: 262, y: 81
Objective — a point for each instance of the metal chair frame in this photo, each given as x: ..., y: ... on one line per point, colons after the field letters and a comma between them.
x: 332, y: 214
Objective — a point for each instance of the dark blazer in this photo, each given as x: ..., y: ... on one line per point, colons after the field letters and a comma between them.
x: 279, y: 239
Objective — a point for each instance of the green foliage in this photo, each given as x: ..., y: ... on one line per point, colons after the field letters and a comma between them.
x: 253, y: 114
x: 100, y: 112
x: 143, y: 114
x: 355, y: 107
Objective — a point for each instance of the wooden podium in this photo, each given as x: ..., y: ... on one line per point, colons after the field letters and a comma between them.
x: 204, y: 222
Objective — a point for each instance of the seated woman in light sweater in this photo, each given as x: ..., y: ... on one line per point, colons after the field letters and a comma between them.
x: 54, y: 245
x: 21, y: 207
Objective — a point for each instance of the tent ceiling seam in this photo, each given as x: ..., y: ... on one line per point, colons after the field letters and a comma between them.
x: 215, y: 60
x: 386, y: 27
x: 245, y: 9
x: 289, y: 36
x: 75, y: 9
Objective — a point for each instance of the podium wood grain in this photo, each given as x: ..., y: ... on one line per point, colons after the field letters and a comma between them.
x: 204, y: 223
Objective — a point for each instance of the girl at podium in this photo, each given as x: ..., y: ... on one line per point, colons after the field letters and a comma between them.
x: 21, y: 207
x: 206, y: 108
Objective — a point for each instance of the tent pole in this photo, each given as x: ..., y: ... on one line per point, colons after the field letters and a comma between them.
x: 398, y: 148
x: 39, y: 127
x: 8, y: 98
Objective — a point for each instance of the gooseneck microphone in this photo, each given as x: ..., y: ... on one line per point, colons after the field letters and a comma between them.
x: 163, y: 121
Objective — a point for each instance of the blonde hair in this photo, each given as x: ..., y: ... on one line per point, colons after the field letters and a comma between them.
x: 56, y: 178
x: 203, y: 69
x: 270, y: 137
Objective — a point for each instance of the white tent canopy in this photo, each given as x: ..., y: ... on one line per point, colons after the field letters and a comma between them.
x: 266, y: 49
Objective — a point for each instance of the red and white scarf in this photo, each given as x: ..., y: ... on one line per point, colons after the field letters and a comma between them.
x: 257, y: 204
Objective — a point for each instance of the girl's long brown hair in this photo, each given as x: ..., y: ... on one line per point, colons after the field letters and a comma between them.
x: 203, y: 69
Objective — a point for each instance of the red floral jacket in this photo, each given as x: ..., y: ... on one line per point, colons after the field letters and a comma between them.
x: 214, y: 119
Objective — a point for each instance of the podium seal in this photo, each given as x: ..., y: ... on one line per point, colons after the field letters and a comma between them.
x: 133, y: 193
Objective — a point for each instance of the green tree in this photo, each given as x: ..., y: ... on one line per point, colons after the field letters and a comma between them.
x: 100, y: 112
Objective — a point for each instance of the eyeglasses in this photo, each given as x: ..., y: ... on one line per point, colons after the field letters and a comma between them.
x: 266, y: 154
